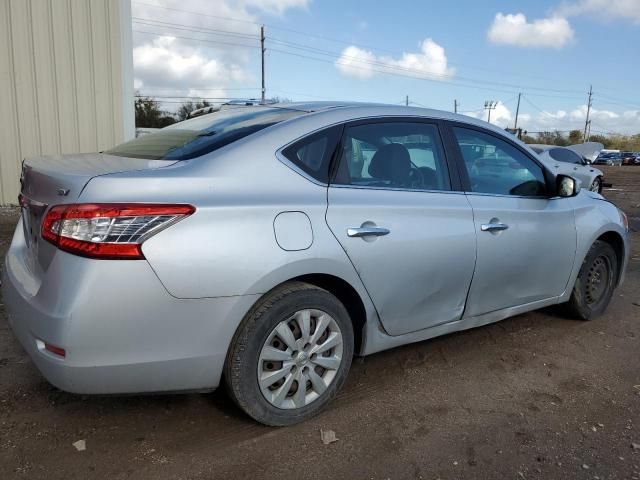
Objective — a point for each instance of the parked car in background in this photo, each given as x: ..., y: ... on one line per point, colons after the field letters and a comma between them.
x: 268, y: 244
x: 566, y: 161
x: 635, y: 159
x: 628, y: 158
x: 589, y: 151
x: 611, y: 159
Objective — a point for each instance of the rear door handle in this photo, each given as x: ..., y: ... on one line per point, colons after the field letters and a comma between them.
x: 368, y: 232
x: 493, y: 227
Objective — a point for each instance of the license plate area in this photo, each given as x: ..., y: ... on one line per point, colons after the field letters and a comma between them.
x: 32, y: 213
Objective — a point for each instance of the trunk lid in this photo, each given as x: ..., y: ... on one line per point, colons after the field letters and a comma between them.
x: 55, y: 180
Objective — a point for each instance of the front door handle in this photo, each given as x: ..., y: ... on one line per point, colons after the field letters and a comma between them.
x: 493, y: 227
x: 367, y: 232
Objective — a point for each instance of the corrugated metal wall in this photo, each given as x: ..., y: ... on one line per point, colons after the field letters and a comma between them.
x: 66, y: 80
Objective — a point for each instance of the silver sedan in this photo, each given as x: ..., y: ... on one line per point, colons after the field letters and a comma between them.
x: 268, y: 245
x: 566, y: 161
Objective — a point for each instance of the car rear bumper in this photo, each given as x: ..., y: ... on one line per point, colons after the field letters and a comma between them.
x: 122, y: 331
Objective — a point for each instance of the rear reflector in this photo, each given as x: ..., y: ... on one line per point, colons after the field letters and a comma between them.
x: 56, y: 350
x: 108, y: 230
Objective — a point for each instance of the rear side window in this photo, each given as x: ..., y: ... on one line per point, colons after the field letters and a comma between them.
x: 404, y: 155
x: 565, y: 155
x: 313, y: 154
x: 201, y: 135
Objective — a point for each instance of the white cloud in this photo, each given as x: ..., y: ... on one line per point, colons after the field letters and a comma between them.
x: 607, y: 9
x: 580, y: 114
x: 171, y: 64
x: 356, y: 62
x: 430, y: 61
x: 170, y: 61
x: 627, y: 122
x: 275, y: 6
x: 553, y: 32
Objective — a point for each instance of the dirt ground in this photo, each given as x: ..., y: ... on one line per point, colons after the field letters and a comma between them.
x: 535, y: 396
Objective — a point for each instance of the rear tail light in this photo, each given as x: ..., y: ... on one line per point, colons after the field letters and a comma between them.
x: 108, y: 230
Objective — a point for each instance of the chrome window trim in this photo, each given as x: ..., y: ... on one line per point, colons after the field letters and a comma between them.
x: 295, y: 168
x: 504, y: 195
x: 394, y: 189
x: 288, y: 163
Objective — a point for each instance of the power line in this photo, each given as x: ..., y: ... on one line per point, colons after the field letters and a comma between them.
x: 217, y: 42
x: 178, y: 26
x: 200, y: 14
x: 302, y: 47
x: 193, y: 97
x: 262, y: 50
x: 307, y: 34
x: 198, y: 89
x: 390, y: 72
x: 515, y: 125
x: 386, y: 66
x: 587, y: 123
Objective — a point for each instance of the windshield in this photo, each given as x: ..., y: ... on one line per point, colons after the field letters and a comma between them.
x: 201, y: 135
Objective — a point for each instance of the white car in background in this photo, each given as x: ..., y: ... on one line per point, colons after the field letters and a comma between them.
x: 567, y: 161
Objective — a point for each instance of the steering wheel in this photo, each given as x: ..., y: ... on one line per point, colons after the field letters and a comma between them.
x: 416, y: 178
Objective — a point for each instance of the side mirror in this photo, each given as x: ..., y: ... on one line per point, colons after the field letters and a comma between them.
x: 567, y: 186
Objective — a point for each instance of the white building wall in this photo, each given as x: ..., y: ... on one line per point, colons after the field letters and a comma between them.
x: 66, y: 80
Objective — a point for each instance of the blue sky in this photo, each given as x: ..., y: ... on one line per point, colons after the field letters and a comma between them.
x: 432, y: 51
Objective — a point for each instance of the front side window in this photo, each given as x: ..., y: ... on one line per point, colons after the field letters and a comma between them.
x: 565, y: 155
x: 393, y: 155
x: 201, y: 135
x: 495, y: 166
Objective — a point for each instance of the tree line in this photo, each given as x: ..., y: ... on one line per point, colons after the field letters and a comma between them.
x: 613, y: 142
x: 149, y: 113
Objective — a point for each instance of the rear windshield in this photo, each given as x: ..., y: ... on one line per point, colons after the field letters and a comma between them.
x: 198, y: 136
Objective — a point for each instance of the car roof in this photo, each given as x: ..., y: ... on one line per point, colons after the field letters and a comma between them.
x: 543, y: 146
x: 331, y: 112
x: 353, y: 108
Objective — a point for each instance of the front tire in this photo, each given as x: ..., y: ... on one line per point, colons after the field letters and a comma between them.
x: 290, y: 355
x: 596, y: 281
x: 596, y: 186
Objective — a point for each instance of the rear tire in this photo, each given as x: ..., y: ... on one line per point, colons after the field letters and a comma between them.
x: 297, y: 337
x: 596, y: 281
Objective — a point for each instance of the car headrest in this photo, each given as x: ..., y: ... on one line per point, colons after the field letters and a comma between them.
x: 391, y: 162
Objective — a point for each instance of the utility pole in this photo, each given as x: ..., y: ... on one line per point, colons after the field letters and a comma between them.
x: 262, y: 49
x: 587, y: 123
x: 490, y: 105
x: 455, y: 106
x: 515, y: 126
x: 406, y: 101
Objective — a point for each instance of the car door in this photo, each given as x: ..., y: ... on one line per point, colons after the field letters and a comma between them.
x: 407, y: 229
x: 526, y: 240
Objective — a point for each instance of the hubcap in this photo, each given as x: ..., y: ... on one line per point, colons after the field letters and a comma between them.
x: 300, y: 359
x: 595, y: 186
x: 597, y: 280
